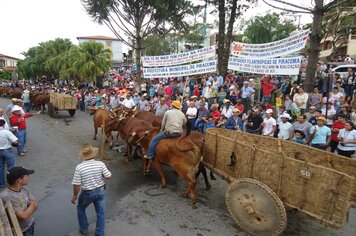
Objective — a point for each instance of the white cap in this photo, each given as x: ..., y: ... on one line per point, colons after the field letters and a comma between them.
x: 285, y: 115
x: 16, y: 108
x: 268, y: 111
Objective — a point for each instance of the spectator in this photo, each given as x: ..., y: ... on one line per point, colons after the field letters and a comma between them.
x: 246, y: 92
x: 269, y: 124
x: 89, y: 181
x: 26, y: 100
x: 23, y: 202
x: 254, y: 122
x: 192, y: 114
x: 315, y: 99
x: 347, y: 140
x: 303, y: 125
x: 311, y: 113
x: 285, y: 128
x: 215, y: 113
x: 202, y: 119
x: 320, y: 134
x: 331, y: 113
x: 299, y: 137
x: 234, y: 122
x: 222, y: 122
x: 161, y: 107
x: 128, y: 102
x: 335, y: 128
x: 267, y: 88
x: 210, y: 123
x: 226, y: 110
x: 349, y: 83
x: 301, y: 99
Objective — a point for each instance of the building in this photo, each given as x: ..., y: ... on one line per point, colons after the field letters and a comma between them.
x: 348, y: 47
x: 8, y: 63
x: 113, y: 44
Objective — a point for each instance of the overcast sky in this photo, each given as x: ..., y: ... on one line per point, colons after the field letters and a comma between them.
x: 25, y: 23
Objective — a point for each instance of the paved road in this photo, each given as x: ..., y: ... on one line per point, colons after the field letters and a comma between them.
x: 135, y: 204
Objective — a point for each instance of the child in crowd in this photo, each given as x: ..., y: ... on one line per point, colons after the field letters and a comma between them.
x: 279, y: 102
x: 299, y: 137
x: 211, y: 122
x: 288, y: 104
x: 222, y: 122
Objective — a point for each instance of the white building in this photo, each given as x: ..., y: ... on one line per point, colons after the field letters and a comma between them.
x: 113, y: 44
x: 8, y: 63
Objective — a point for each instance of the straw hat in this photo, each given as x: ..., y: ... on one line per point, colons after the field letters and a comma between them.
x: 177, y: 104
x: 26, y: 91
x: 236, y: 110
x: 323, y: 119
x: 88, y: 152
x: 16, y: 108
x: 227, y: 101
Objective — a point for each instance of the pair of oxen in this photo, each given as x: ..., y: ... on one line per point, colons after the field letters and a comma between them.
x: 137, y: 128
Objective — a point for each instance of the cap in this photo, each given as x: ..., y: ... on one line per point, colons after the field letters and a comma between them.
x: 17, y: 172
x: 312, y: 108
x: 236, y: 110
x: 285, y: 115
x: 269, y: 111
x: 16, y: 108
x: 14, y: 99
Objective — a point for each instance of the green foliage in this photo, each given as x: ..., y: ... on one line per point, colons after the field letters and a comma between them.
x: 59, y: 58
x: 159, y: 46
x: 268, y: 28
x: 5, y: 75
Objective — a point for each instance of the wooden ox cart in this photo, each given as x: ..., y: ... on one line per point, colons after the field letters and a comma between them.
x: 60, y: 102
x: 268, y: 175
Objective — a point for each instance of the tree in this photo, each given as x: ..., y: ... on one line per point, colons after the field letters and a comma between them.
x: 138, y: 19
x: 5, y: 75
x: 318, y: 9
x: 232, y: 9
x: 159, y: 46
x: 268, y: 28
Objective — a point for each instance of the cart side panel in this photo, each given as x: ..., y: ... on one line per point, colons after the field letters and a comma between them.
x: 63, y: 101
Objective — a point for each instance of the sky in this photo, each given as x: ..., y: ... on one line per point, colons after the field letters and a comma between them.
x: 26, y: 23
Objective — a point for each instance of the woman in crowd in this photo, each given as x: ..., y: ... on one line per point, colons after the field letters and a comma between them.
x: 347, y: 140
x: 315, y: 99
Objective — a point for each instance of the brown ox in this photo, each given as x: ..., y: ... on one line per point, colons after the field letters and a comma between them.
x: 125, y: 126
x: 182, y: 154
x: 40, y: 100
x: 15, y: 93
x: 150, y: 117
x: 100, y: 116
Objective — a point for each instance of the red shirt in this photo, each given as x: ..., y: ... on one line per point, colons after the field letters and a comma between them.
x: 14, y: 121
x: 216, y: 115
x: 196, y: 92
x: 241, y: 107
x: 168, y: 90
x: 337, y: 125
x: 267, y: 89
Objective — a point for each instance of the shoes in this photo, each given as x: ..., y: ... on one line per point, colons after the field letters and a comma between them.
x: 84, y: 232
x: 147, y: 157
x: 22, y: 154
x: 25, y: 151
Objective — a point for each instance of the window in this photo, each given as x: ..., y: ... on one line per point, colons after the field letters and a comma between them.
x: 108, y: 43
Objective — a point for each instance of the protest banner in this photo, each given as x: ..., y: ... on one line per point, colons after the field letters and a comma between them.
x: 275, y: 66
x: 177, y: 71
x: 278, y: 48
x: 179, y: 58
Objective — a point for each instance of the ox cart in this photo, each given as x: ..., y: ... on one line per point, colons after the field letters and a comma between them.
x: 269, y: 175
x: 58, y: 102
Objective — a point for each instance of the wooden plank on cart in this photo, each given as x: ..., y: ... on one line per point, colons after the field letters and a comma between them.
x: 5, y: 227
x: 13, y: 219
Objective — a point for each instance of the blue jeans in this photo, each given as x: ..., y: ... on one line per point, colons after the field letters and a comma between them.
x: 21, y: 135
x: 6, y: 157
x: 151, y: 150
x: 30, y: 231
x: 97, y: 197
x: 27, y: 106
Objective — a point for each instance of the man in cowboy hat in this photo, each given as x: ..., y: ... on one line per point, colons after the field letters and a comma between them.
x: 22, y: 200
x: 26, y: 100
x: 172, y: 126
x: 89, y: 178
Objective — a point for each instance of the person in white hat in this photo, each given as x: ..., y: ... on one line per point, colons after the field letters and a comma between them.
x: 285, y: 128
x: 26, y: 100
x: 269, y: 124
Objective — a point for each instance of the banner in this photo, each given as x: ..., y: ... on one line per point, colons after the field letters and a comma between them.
x: 270, y: 50
x: 180, y: 58
x: 276, y: 66
x: 177, y: 71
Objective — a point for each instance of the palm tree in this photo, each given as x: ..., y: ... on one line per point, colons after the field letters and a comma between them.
x: 88, y: 60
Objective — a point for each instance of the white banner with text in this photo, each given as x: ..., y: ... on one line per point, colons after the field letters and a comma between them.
x: 179, y: 58
x: 278, y: 48
x: 177, y: 71
x: 275, y: 66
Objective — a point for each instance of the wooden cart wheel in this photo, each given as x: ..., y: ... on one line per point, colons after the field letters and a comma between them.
x: 256, y: 208
x: 50, y: 109
x: 71, y: 112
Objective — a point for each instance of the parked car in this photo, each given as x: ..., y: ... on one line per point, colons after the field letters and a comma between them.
x: 342, y: 69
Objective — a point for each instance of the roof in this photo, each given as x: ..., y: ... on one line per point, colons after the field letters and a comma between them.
x: 98, y: 37
x: 10, y: 68
x: 3, y: 55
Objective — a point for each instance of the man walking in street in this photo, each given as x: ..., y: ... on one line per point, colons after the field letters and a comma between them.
x: 89, y: 178
x: 7, y: 140
x: 22, y: 200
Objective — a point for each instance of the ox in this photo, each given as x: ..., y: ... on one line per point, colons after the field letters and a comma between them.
x: 39, y: 100
x: 182, y: 154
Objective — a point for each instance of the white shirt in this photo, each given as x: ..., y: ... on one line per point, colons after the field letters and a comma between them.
x: 268, y: 125
x: 6, y: 127
x: 192, y: 112
x: 6, y: 139
x: 330, y: 112
x: 129, y: 103
x: 226, y: 112
x: 347, y: 136
x: 284, y: 130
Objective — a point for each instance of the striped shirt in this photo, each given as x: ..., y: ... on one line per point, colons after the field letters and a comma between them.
x: 90, y: 174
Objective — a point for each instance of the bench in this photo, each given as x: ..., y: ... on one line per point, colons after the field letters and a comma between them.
x: 9, y: 225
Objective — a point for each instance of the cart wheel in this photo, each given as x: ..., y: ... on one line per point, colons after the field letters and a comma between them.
x: 71, y: 112
x: 50, y: 109
x: 256, y: 208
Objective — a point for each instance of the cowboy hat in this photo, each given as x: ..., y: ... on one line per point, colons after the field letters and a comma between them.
x: 226, y: 101
x: 177, y: 104
x: 88, y: 152
x: 14, y: 99
x: 236, y: 110
x: 285, y: 115
x: 323, y: 119
x: 26, y: 91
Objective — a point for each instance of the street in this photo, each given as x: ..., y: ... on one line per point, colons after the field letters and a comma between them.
x: 136, y: 205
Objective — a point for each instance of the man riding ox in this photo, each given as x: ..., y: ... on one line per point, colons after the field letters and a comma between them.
x: 172, y: 126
